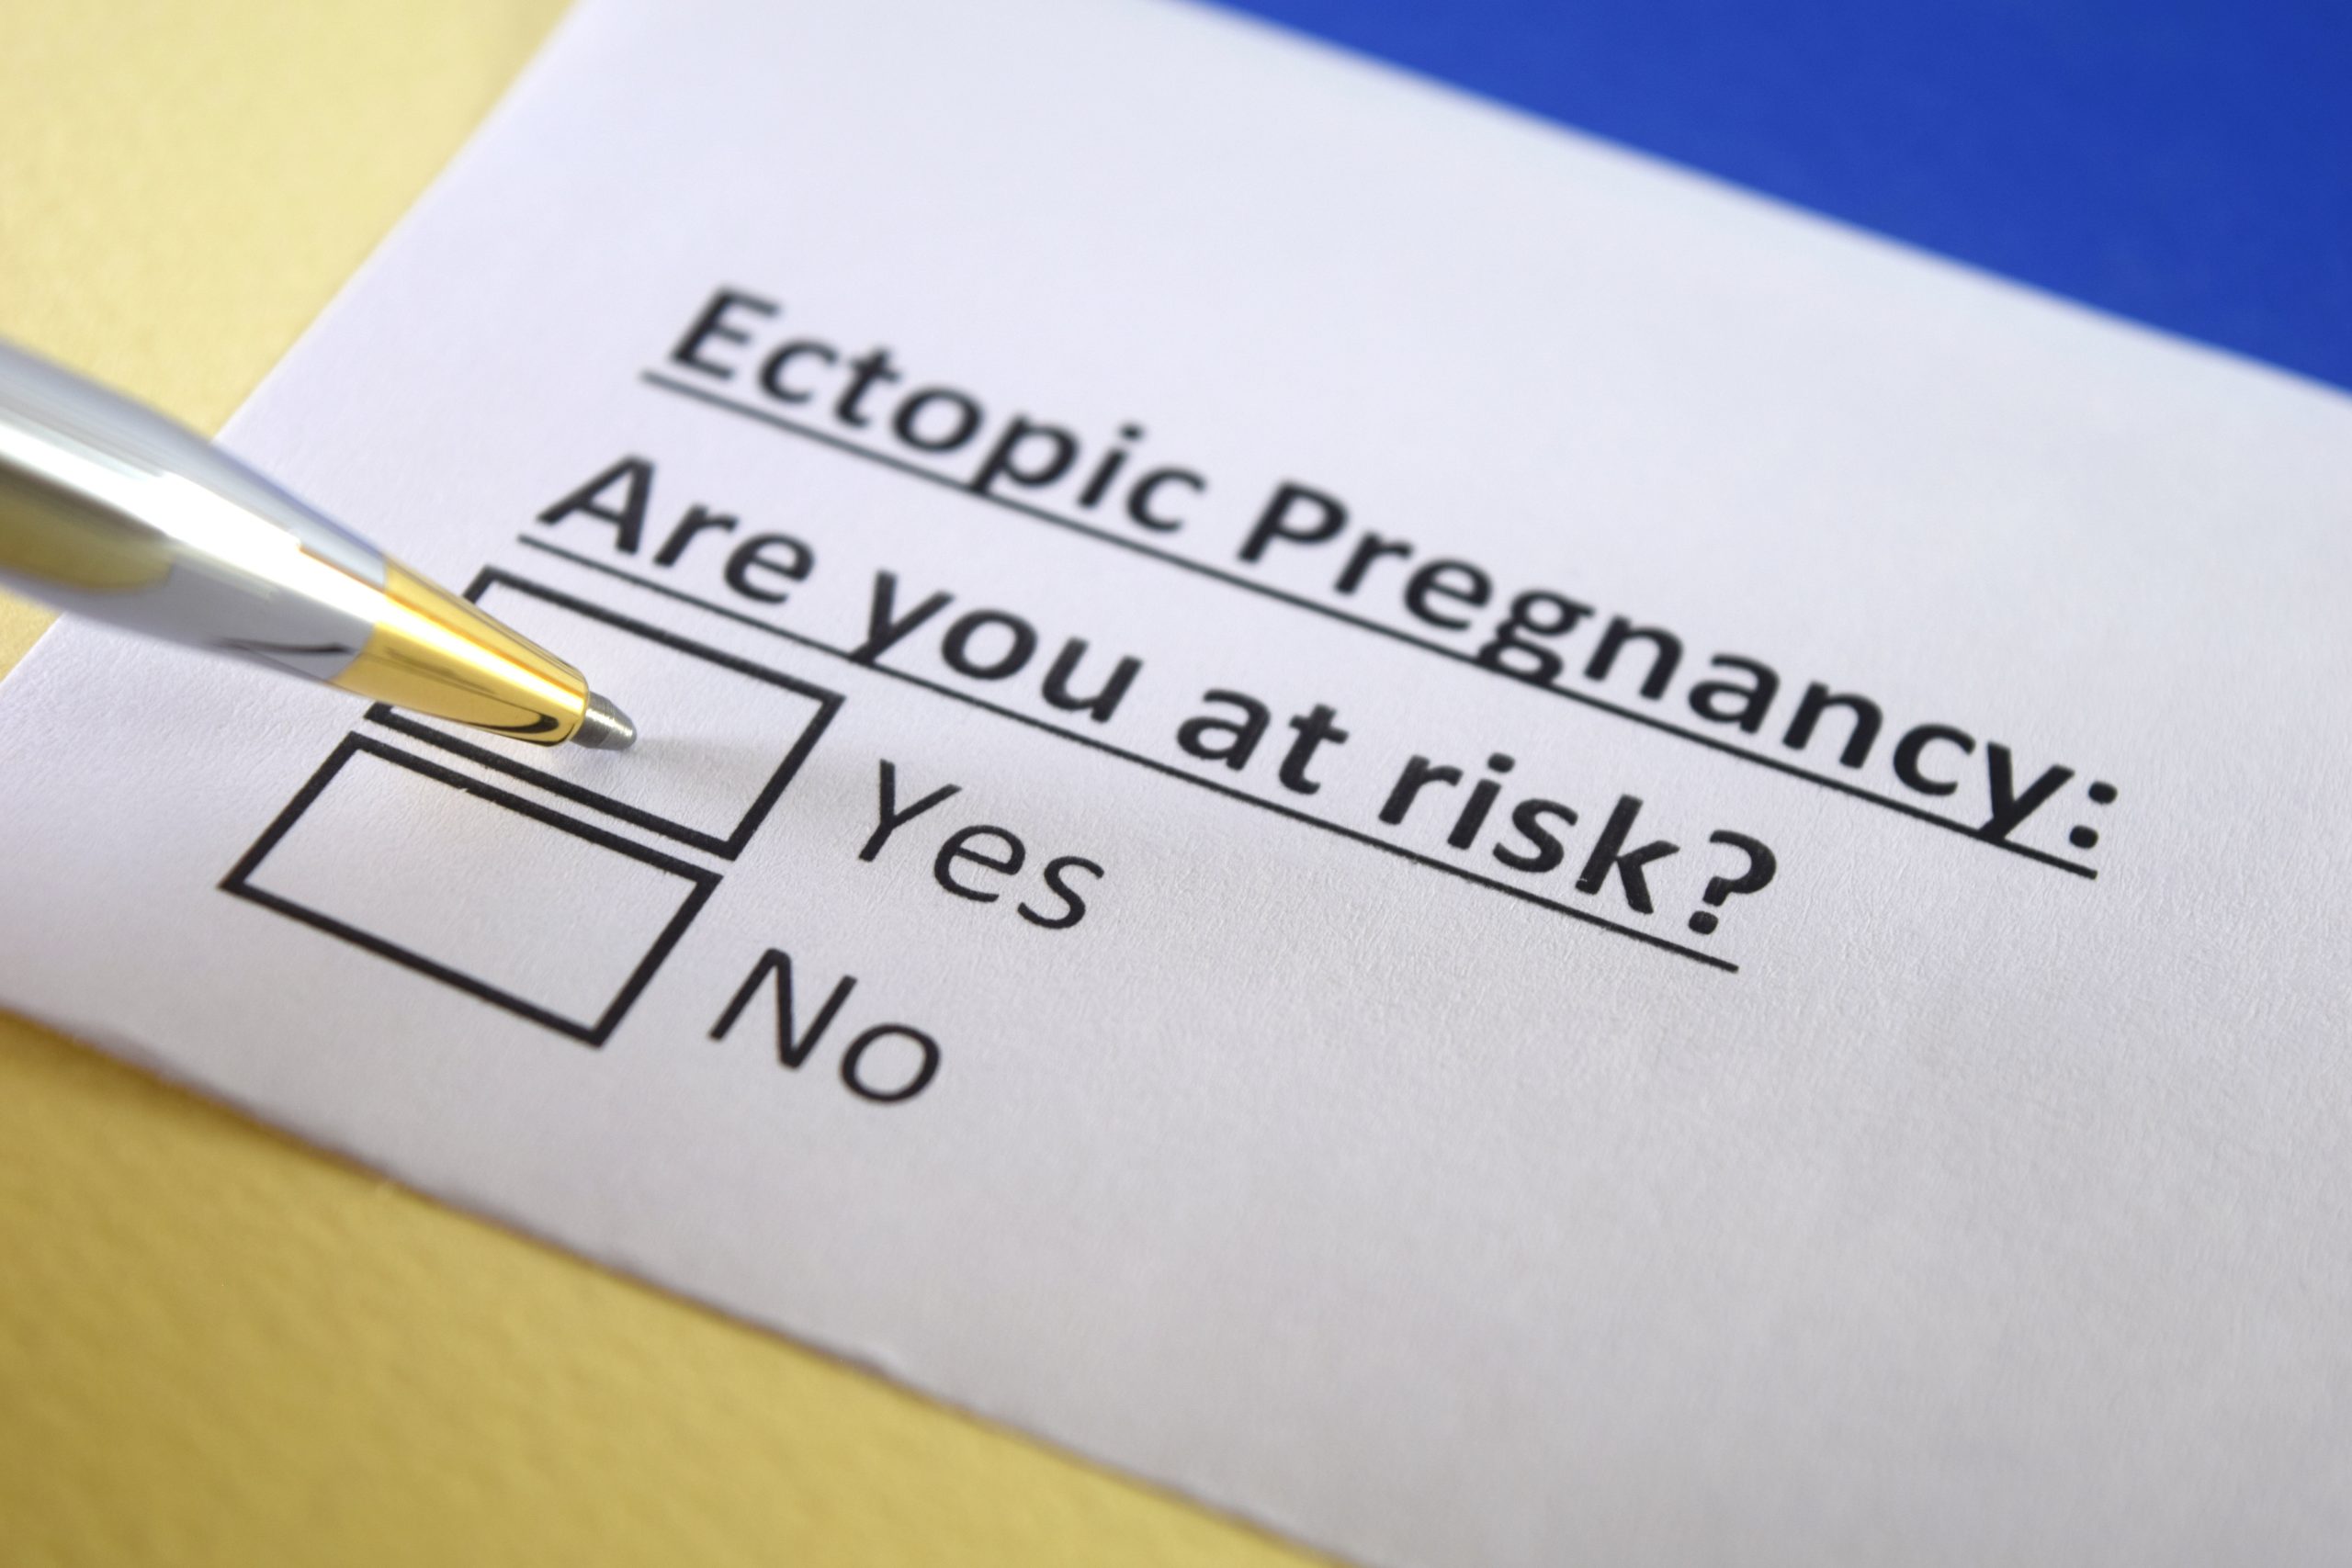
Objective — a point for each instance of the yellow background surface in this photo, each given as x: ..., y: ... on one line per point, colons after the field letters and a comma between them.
x: 216, y: 1346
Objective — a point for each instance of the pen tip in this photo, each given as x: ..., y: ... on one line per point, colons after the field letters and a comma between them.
x: 605, y: 727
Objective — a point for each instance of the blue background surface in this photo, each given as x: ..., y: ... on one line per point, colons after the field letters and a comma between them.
x: 2184, y: 162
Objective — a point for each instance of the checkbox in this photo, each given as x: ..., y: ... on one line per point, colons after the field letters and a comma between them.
x: 718, y: 739
x: 514, y: 904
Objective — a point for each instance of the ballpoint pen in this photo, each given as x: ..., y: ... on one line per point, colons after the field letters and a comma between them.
x: 111, y: 510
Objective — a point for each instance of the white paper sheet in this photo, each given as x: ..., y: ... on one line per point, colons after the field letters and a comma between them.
x: 1971, y: 1191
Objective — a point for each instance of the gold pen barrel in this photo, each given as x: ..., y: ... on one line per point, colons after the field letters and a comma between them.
x: 433, y: 652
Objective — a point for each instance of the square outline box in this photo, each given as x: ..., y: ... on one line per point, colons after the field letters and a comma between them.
x: 828, y: 703
x: 701, y: 883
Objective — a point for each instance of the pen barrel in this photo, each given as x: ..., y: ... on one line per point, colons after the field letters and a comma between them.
x: 112, y: 511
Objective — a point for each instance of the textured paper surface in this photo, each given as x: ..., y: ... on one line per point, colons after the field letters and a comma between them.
x: 1412, y: 1216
